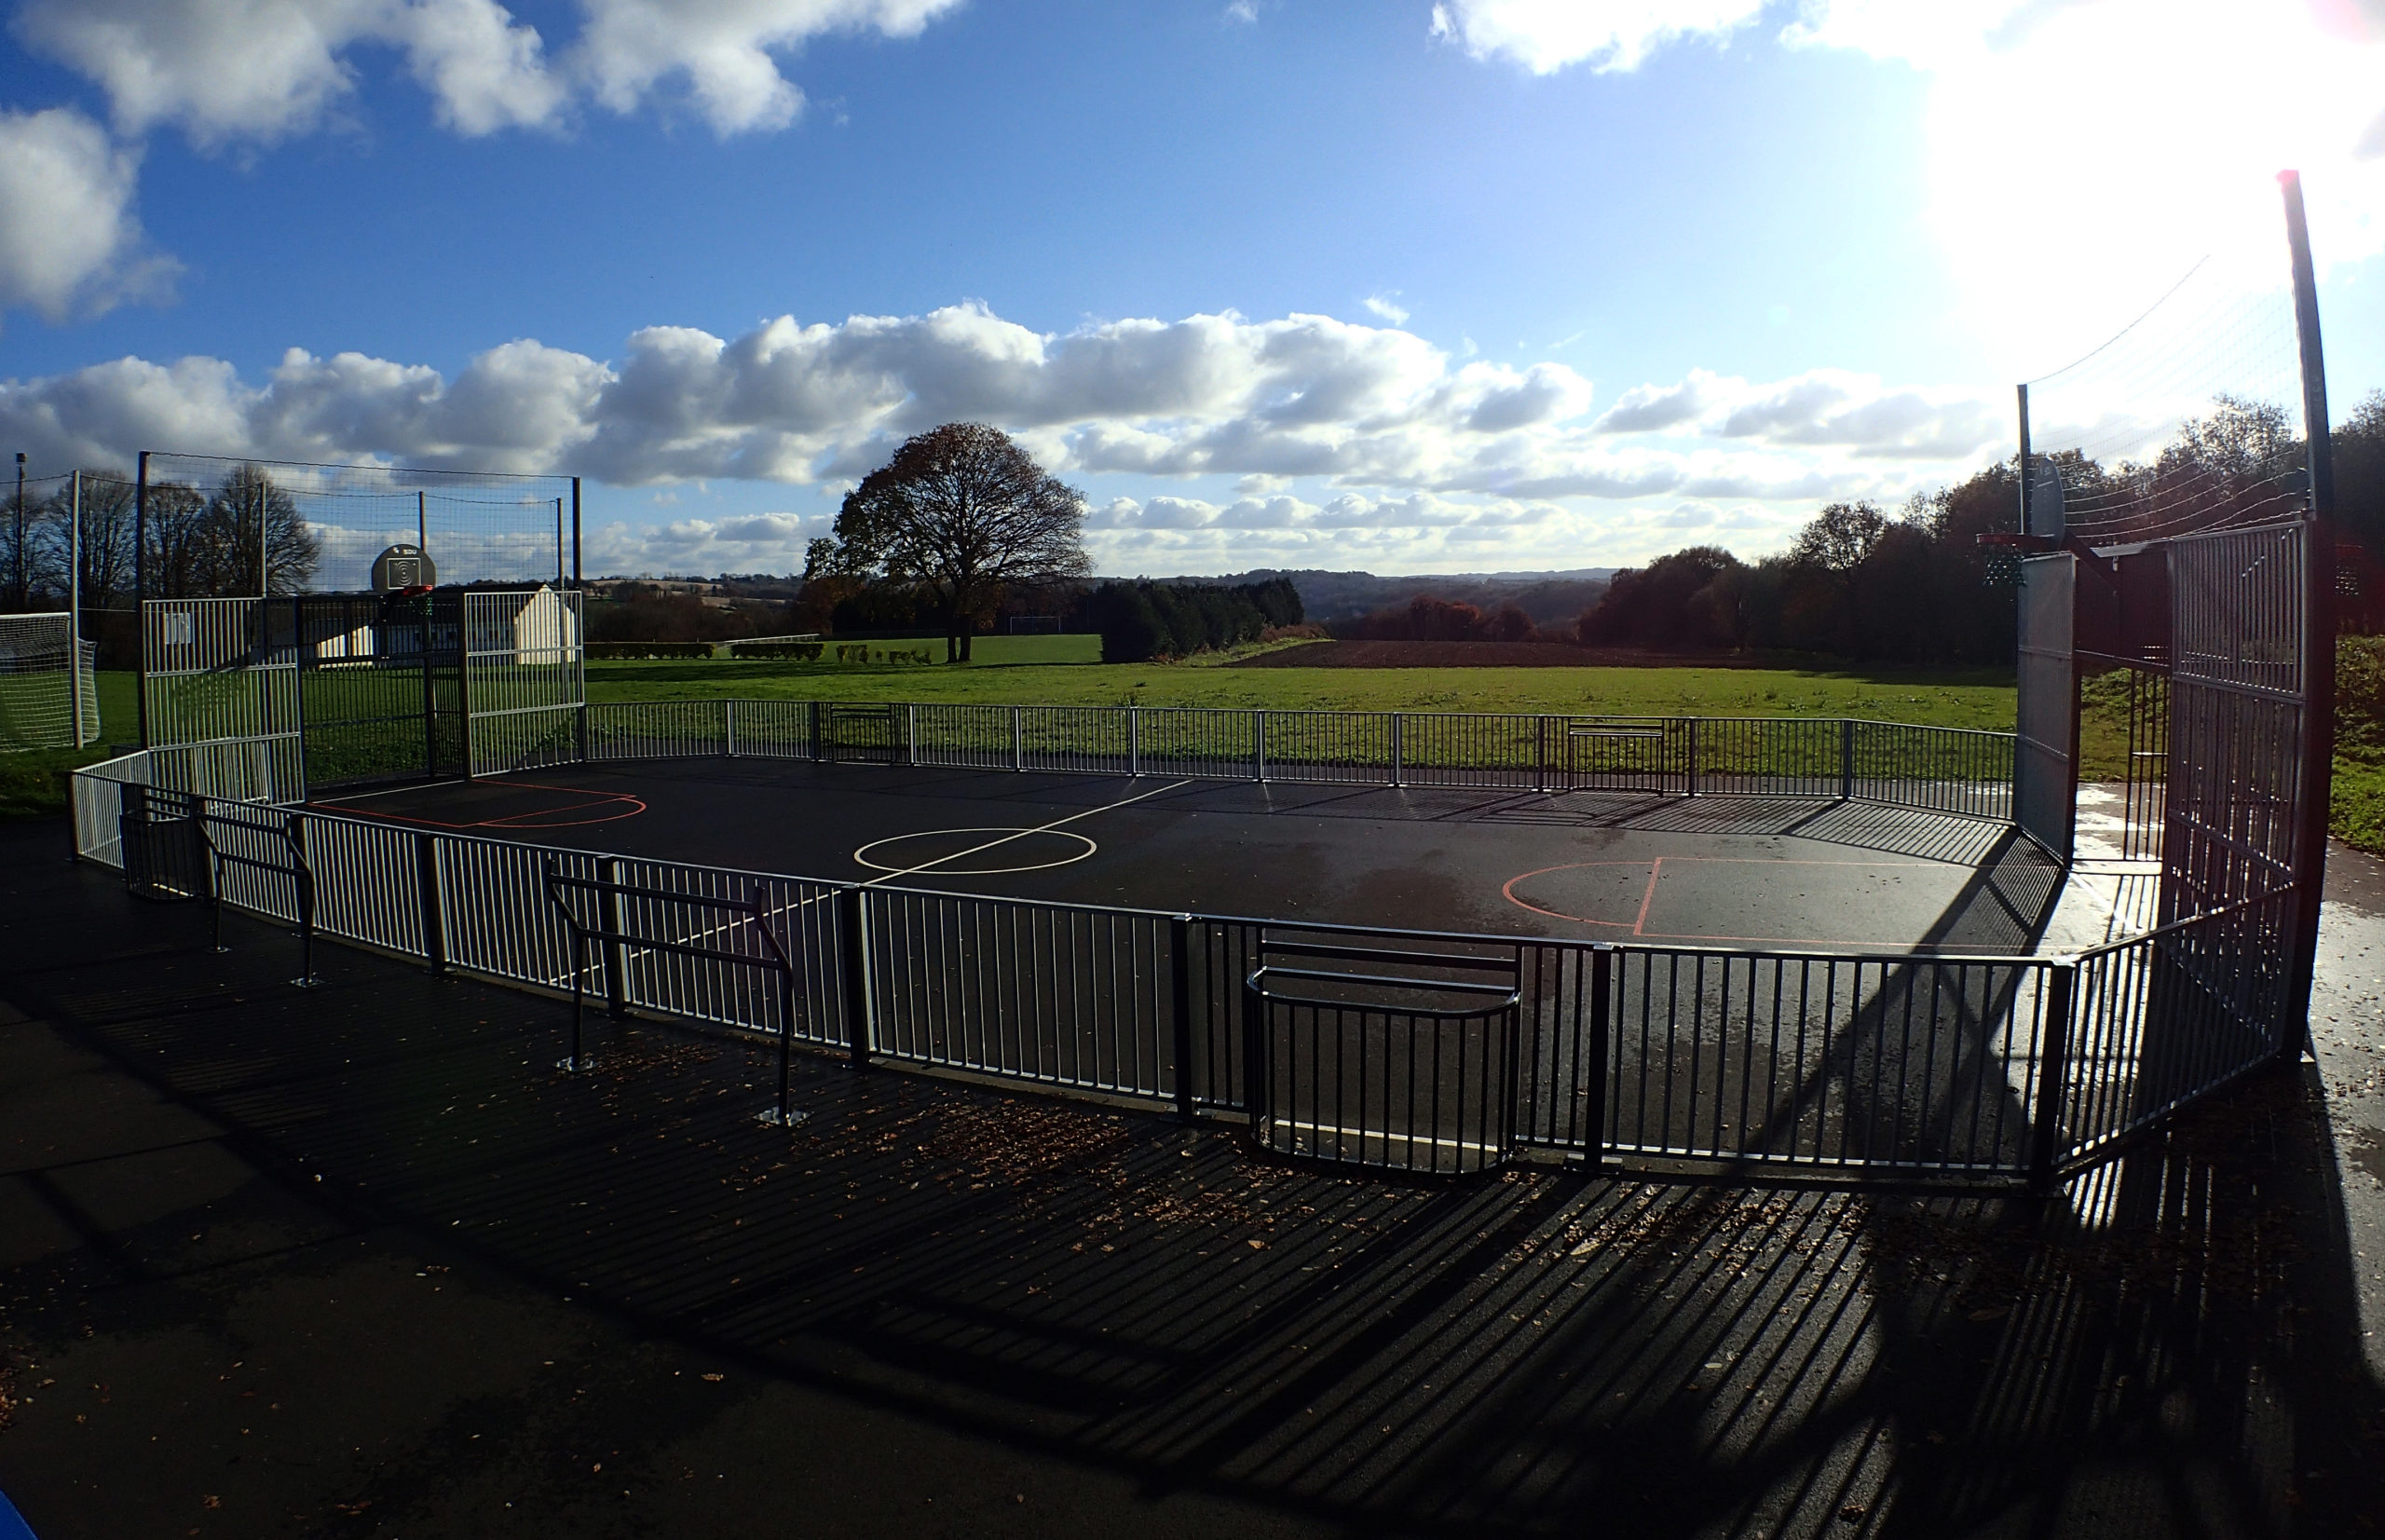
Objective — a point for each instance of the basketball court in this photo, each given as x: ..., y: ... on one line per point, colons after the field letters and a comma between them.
x: 1753, y: 871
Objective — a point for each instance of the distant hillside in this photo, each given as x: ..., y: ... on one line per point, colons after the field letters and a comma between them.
x: 1550, y: 598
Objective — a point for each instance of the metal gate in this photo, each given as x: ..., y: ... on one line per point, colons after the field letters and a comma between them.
x: 381, y: 688
x: 1620, y: 754
x: 2044, y: 758
x: 1408, y: 1070
x: 866, y: 735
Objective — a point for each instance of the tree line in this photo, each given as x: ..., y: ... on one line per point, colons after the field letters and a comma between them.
x: 1916, y: 586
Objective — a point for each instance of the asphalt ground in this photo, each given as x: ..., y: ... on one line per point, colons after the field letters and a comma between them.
x: 1742, y: 870
x: 359, y: 1260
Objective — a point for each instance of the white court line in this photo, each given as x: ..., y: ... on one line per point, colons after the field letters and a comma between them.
x: 1021, y: 834
x: 706, y: 931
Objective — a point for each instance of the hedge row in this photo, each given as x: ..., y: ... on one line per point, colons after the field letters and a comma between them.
x: 649, y: 650
x: 803, y: 653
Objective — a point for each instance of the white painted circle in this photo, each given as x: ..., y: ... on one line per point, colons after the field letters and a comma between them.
x: 1004, y: 844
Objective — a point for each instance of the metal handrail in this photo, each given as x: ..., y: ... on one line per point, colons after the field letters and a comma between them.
x: 302, y: 875
x: 609, y: 930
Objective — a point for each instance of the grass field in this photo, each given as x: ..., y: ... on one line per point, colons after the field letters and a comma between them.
x: 1970, y: 699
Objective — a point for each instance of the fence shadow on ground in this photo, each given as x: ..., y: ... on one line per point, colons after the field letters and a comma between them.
x: 2164, y: 1351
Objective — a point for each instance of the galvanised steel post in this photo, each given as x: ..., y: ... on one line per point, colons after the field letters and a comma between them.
x: 1179, y: 946
x: 617, y: 963
x: 427, y: 881
x: 2318, y: 630
x: 1598, y: 1051
x: 861, y: 1029
x: 141, y: 590
x: 2053, y: 1048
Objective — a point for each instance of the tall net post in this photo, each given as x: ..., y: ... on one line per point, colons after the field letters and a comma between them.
x: 2182, y: 473
x: 2319, y: 600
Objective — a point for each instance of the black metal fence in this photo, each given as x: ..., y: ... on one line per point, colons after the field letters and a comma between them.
x: 1941, y: 770
x: 1412, y: 1050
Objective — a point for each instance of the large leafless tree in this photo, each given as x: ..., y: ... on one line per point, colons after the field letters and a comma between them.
x: 960, y: 512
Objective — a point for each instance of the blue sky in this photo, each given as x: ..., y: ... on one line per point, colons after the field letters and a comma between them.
x: 1494, y: 284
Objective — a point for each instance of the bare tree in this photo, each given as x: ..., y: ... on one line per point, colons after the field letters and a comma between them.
x: 107, y: 499
x: 255, y: 541
x: 958, y: 512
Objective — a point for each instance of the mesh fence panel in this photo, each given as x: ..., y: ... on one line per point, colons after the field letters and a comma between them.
x: 214, y: 523
x: 2190, y: 419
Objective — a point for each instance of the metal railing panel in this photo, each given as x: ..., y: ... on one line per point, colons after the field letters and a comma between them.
x: 2166, y: 1018
x: 960, y: 737
x: 495, y: 917
x: 1091, y: 740
x: 657, y: 729
x: 772, y: 729
x: 1202, y: 742
x: 1913, y: 1064
x: 1951, y: 771
x: 368, y: 882
x: 1489, y: 751
x: 97, y: 794
x: 1054, y: 994
x: 1349, y: 747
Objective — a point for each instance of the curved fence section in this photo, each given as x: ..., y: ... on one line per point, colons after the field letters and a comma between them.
x: 1365, y: 1046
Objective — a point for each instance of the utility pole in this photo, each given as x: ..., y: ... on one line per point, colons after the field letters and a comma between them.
x: 19, y: 592
x: 74, y: 600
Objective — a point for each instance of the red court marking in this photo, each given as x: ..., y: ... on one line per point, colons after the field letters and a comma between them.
x: 1656, y: 867
x: 537, y: 818
x: 1648, y: 896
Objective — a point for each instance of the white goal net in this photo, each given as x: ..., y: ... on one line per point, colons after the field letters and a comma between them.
x: 45, y: 671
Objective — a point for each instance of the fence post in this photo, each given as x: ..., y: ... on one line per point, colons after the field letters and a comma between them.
x: 819, y: 744
x: 1846, y: 758
x: 1258, y: 744
x: 1398, y: 760
x: 1692, y: 781
x: 616, y: 961
x: 910, y: 735
x: 2045, y: 1134
x: 1179, y: 946
x: 1134, y: 740
x: 1017, y: 741
x: 1598, y: 1051
x: 728, y: 729
x: 1540, y: 753
x: 861, y: 1029
x: 426, y: 878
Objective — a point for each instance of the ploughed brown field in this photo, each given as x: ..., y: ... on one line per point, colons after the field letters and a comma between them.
x: 1484, y: 655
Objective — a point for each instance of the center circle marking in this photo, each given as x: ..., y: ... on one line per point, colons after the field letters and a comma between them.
x: 1014, y: 842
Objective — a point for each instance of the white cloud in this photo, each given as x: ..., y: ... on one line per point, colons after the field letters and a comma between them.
x: 1328, y: 433
x: 484, y: 71
x: 752, y: 542
x: 1547, y: 35
x: 258, y: 71
x: 723, y: 49
x: 70, y: 239
x: 1386, y: 306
